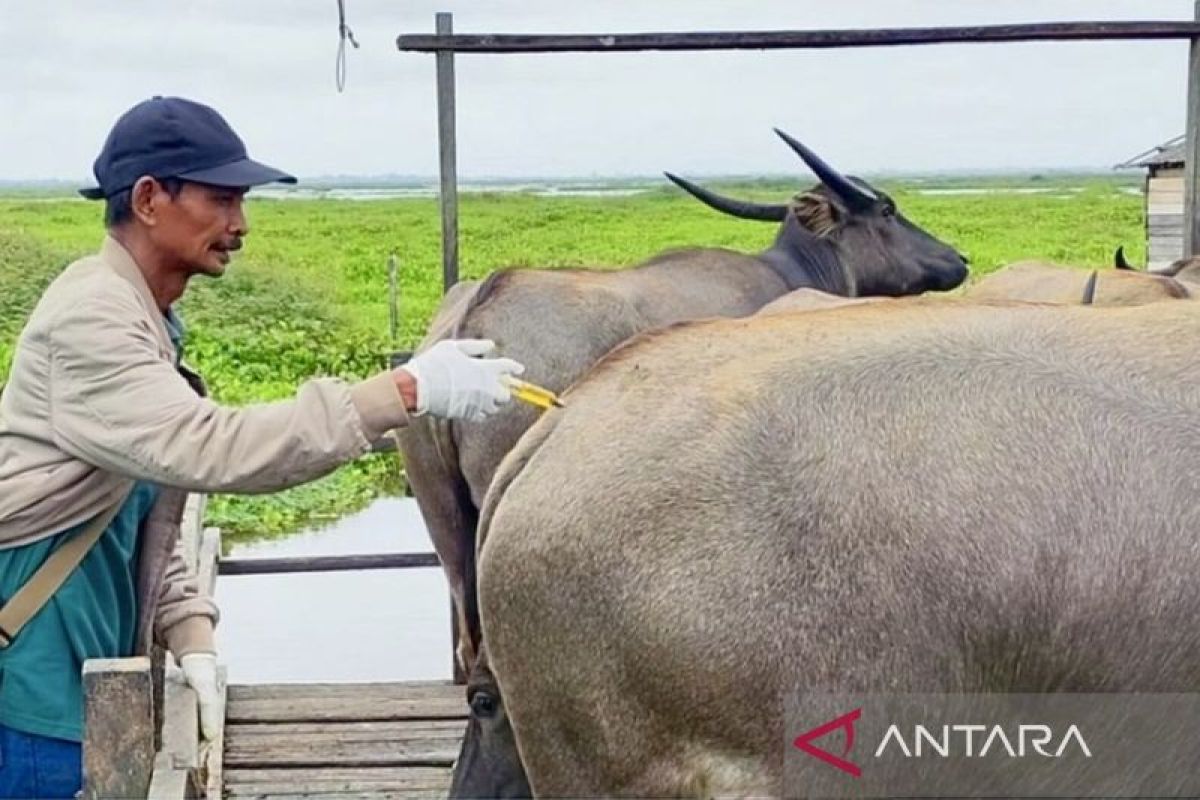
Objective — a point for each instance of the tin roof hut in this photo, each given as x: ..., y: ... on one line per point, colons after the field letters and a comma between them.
x: 1164, y: 166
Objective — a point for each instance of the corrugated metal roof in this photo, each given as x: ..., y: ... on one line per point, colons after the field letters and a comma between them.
x: 1169, y: 152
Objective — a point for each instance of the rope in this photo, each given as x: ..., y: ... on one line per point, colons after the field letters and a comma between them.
x: 344, y: 33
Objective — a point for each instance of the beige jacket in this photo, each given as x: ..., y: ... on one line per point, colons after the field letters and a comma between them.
x: 94, y: 402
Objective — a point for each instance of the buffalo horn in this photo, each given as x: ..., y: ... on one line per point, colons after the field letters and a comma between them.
x: 1119, y: 259
x: 738, y: 208
x: 1089, y: 288
x: 852, y: 194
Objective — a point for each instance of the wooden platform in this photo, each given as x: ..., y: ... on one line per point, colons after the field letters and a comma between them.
x: 364, y: 740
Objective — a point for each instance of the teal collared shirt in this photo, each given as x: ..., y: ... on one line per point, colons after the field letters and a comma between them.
x: 92, y: 615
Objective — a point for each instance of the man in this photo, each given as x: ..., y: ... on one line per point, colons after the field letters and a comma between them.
x: 100, y: 421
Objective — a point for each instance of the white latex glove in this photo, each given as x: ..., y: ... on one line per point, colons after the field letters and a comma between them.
x: 455, y: 383
x: 200, y: 672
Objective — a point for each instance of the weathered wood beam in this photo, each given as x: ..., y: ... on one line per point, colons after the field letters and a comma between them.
x: 264, y: 566
x: 118, y: 727
x: 347, y: 709
x: 213, y: 755
x: 772, y: 40
x: 447, y: 147
x: 207, y: 560
x: 190, y: 525
x: 339, y: 782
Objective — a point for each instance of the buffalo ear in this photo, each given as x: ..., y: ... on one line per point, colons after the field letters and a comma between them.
x: 817, y: 212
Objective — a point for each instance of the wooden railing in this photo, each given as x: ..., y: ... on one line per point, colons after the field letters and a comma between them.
x: 141, y: 720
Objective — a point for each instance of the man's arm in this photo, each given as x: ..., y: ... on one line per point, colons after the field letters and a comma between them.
x: 117, y: 404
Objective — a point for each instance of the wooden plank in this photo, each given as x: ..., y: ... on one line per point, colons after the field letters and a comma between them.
x: 1165, y: 241
x: 264, y: 566
x: 348, y: 731
x: 1167, y: 183
x: 328, y: 752
x: 214, y: 755
x: 350, y: 709
x: 274, y: 779
x: 118, y: 727
x: 1171, y: 248
x: 181, y: 722
x: 447, y: 153
x: 168, y: 782
x: 770, y: 40
x: 1191, y: 150
x: 348, y: 794
x: 340, y: 782
x: 293, y: 691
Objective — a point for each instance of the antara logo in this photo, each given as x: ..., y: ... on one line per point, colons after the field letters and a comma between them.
x: 846, y: 722
x: 994, y: 739
x: 969, y: 740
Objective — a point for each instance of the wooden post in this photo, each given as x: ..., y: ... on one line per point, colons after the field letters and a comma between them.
x: 446, y: 149
x: 118, y: 727
x: 209, y: 558
x: 1191, y: 152
x: 189, y: 527
x: 393, y: 301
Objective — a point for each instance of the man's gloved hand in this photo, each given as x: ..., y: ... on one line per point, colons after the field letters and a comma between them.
x: 200, y: 671
x: 455, y: 383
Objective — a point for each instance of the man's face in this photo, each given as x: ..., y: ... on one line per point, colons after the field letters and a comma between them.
x: 201, y: 227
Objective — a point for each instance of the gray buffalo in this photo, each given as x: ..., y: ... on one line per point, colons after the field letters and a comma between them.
x: 910, y: 496
x: 1038, y: 281
x: 1184, y: 270
x: 842, y: 236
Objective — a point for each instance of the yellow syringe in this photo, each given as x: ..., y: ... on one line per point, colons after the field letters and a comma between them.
x: 532, y: 393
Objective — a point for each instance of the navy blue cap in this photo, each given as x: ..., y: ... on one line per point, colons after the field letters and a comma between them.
x: 170, y: 137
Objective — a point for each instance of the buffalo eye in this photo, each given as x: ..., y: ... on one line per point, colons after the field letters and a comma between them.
x: 483, y: 705
x: 888, y: 210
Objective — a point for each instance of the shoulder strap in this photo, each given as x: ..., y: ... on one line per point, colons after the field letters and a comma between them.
x: 30, y: 598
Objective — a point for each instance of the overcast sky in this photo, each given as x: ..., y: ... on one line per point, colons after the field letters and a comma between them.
x: 70, y: 67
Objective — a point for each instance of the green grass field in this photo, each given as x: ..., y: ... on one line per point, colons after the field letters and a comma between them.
x: 308, y: 295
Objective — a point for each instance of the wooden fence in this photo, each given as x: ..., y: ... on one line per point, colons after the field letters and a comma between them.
x: 140, y: 719
x: 445, y: 43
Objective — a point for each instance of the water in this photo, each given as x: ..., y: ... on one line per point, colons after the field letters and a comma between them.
x: 375, y: 625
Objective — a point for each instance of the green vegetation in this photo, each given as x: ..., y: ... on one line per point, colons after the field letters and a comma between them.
x: 308, y: 296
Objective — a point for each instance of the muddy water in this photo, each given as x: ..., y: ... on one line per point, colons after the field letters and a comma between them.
x: 379, y: 625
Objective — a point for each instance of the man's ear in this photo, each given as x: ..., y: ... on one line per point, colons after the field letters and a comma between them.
x: 144, y: 199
